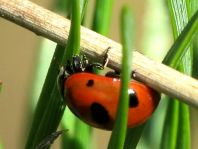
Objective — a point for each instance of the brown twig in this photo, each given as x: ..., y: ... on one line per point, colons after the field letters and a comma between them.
x: 52, y: 26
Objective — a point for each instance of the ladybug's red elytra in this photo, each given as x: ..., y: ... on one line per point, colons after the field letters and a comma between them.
x: 94, y: 98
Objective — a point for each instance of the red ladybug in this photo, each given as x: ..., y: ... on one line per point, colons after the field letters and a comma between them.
x: 94, y: 99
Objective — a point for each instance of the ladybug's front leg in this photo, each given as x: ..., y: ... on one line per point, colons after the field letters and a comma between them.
x: 90, y: 67
x: 113, y: 74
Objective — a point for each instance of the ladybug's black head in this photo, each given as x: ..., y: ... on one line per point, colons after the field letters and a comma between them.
x: 77, y: 64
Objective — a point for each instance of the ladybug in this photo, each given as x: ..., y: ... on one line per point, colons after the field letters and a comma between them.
x: 94, y: 98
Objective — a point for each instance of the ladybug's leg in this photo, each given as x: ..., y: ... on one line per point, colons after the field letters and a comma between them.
x: 78, y: 64
x: 106, y: 57
x: 62, y: 76
x: 91, y: 67
x: 133, y: 74
x: 74, y: 66
x: 113, y: 74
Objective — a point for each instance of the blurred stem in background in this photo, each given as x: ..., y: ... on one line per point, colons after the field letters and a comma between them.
x: 156, y: 39
x: 156, y: 32
x: 102, y: 16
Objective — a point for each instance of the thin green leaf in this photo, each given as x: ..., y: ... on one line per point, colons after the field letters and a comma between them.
x: 78, y: 136
x: 183, y: 136
x: 193, y: 4
x: 178, y: 49
x: 44, y: 101
x: 152, y: 133
x: 195, y: 56
x: 102, y: 16
x: 183, y: 139
x: 119, y: 131
x: 180, y: 136
x: 82, y: 134
x: 50, y: 106
x: 101, y: 20
x: 192, y: 7
x: 79, y: 133
x: 73, y: 43
x: 169, y: 136
x: 133, y: 136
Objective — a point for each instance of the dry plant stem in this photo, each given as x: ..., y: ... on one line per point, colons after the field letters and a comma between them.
x: 56, y: 28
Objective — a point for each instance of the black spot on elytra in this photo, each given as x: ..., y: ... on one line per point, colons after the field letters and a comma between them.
x: 99, y: 114
x: 90, y: 83
x: 133, y: 100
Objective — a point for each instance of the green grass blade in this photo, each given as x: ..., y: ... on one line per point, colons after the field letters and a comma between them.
x: 51, y: 117
x: 169, y: 136
x: 180, y: 138
x: 44, y: 99
x: 119, y: 132
x: 133, y: 136
x: 193, y: 6
x: 73, y: 43
x: 102, y: 16
x: 195, y: 56
x: 82, y: 134
x: 178, y: 49
x: 184, y: 138
x: 151, y: 136
x: 101, y: 20
x: 50, y: 106
x: 78, y: 136
x: 79, y: 133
